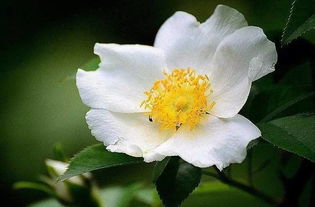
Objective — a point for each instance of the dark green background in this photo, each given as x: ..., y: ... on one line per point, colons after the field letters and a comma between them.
x: 44, y: 42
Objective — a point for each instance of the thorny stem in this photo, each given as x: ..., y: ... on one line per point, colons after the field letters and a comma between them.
x: 221, y: 176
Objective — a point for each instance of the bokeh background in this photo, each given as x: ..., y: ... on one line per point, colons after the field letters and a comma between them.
x: 42, y: 45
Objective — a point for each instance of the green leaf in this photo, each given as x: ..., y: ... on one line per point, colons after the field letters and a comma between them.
x: 280, y: 101
x: 218, y: 194
x: 46, y: 203
x: 159, y: 168
x: 295, y: 134
x: 301, y: 20
x: 177, y: 181
x: 287, y: 105
x: 299, y: 75
x: 33, y: 186
x: 96, y: 157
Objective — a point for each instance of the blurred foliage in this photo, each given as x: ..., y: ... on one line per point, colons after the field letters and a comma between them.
x: 208, y: 193
x: 301, y: 20
x: 44, y: 43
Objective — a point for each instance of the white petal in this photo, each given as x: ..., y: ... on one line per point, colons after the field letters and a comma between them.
x: 217, y: 142
x: 241, y: 58
x: 187, y: 43
x: 132, y: 133
x: 125, y: 72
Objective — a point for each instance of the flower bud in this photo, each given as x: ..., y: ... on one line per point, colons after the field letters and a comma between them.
x: 76, y: 191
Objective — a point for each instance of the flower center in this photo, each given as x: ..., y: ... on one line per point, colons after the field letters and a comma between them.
x: 181, y: 103
x: 182, y: 98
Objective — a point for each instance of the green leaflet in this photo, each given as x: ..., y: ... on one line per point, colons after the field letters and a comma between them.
x: 159, y: 168
x: 177, y: 181
x: 287, y: 105
x: 96, y: 157
x: 280, y: 101
x: 295, y: 134
x: 301, y: 20
x: 33, y: 186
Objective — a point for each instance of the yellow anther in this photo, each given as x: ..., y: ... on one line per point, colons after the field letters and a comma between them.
x: 182, y: 98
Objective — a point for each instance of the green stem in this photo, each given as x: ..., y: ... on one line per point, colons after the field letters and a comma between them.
x: 249, y: 169
x: 220, y: 176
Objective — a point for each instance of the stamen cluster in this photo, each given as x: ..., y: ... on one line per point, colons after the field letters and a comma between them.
x: 182, y: 98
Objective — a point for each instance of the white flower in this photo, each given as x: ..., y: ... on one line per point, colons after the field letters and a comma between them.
x: 182, y: 96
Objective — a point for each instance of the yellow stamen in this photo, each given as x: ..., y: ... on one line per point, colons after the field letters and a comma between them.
x: 182, y: 98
